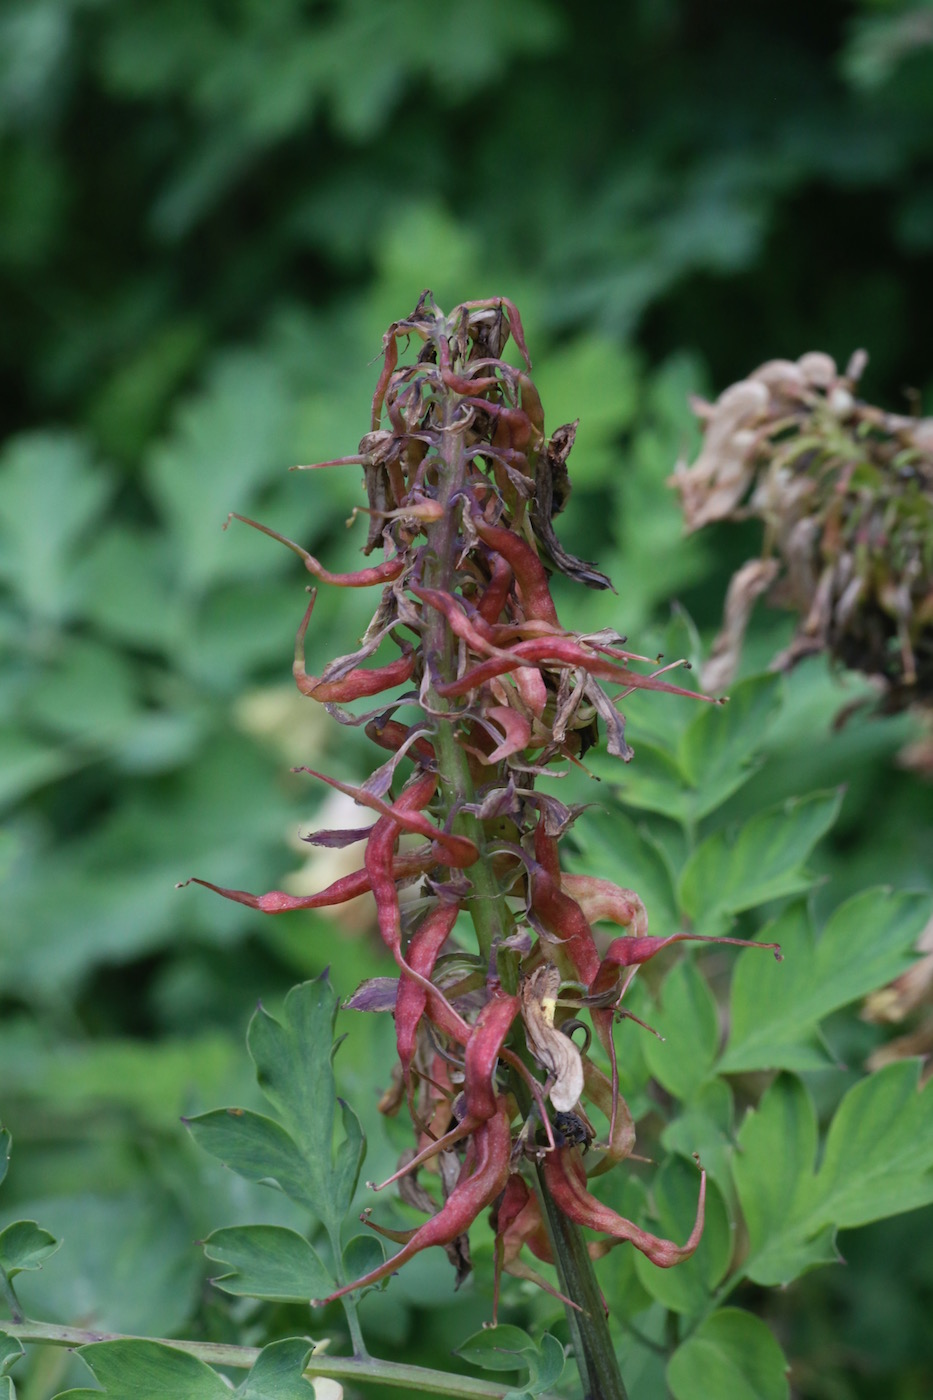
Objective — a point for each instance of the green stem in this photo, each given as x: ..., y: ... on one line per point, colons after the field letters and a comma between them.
x: 492, y: 918
x: 348, y: 1368
x: 589, y: 1329
x: 9, y: 1296
x: 488, y: 910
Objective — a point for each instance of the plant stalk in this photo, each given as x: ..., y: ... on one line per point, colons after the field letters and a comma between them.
x: 492, y: 920
x: 589, y: 1329
x: 349, y: 1368
x: 491, y: 916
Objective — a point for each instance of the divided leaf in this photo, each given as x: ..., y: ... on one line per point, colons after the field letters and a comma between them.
x: 143, y: 1370
x: 503, y: 1348
x: 688, y: 1020
x: 508, y: 1348
x: 732, y: 1355
x: 277, y: 1372
x: 719, y: 749
x: 10, y: 1352
x: 695, y: 772
x: 868, y: 941
x: 11, y: 1349
x: 23, y: 1245
x: 729, y: 872
x: 294, y: 1070
x: 878, y: 1162
x: 268, y: 1261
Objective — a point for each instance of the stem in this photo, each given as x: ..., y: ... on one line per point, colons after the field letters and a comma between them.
x: 9, y: 1297
x: 589, y: 1329
x: 349, y: 1368
x: 491, y: 916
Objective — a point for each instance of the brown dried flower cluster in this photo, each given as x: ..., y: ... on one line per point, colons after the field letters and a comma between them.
x: 845, y: 494
x: 483, y: 690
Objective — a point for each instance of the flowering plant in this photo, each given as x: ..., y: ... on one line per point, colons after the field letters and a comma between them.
x: 463, y: 485
x: 507, y: 994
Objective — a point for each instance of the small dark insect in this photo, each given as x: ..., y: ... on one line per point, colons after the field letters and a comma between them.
x: 571, y: 1131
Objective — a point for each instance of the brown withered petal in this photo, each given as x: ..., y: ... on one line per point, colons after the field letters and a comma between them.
x: 550, y: 1047
x: 745, y: 588
x: 374, y: 994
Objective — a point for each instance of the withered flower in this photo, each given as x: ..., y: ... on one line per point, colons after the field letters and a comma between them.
x: 845, y: 493
x: 480, y: 690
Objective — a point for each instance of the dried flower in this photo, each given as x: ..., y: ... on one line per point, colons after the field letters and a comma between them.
x: 484, y: 691
x: 845, y: 493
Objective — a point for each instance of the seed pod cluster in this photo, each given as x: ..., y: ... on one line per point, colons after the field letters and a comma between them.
x: 483, y: 692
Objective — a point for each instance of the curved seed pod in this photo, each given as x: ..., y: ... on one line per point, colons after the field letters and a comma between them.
x: 565, y: 1175
x: 484, y: 1175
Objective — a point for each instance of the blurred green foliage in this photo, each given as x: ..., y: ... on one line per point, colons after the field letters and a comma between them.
x: 208, y: 215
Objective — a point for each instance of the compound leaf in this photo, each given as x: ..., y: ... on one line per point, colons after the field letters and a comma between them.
x: 23, y: 1245
x: 142, y: 1370
x: 268, y: 1261
x: 732, y: 1355
x: 867, y: 942
x: 277, y: 1372
x: 729, y: 872
x: 294, y: 1070
x: 878, y: 1162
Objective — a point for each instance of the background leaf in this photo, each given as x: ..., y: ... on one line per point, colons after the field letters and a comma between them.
x: 140, y: 1370
x: 867, y: 942
x: 760, y: 862
x: 732, y: 1354
x: 268, y: 1261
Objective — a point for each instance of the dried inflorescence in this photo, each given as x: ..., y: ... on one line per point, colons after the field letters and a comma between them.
x: 845, y: 492
x: 484, y: 690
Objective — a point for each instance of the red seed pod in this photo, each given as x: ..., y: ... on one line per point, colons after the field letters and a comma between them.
x: 484, y: 1175
x: 565, y: 1175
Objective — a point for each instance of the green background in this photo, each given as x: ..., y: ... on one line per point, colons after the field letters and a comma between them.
x: 208, y: 214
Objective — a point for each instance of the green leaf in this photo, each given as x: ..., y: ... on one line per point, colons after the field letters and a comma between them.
x: 11, y: 1349
x: 49, y: 496
x: 550, y: 1365
x: 277, y: 1372
x: 761, y: 862
x: 878, y: 1162
x: 732, y: 1355
x: 268, y: 1261
x: 705, y: 1128
x: 689, y: 1022
x: 688, y: 1287
x: 868, y: 942
x: 719, y: 748
x: 10, y: 1352
x: 294, y: 1070
x: 697, y: 768
x: 255, y: 1147
x: 227, y: 440
x: 23, y: 1245
x: 362, y: 1254
x: 773, y: 1168
x: 878, y: 1159
x: 142, y: 1370
x: 6, y: 1143
x: 503, y: 1348
x: 655, y: 782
